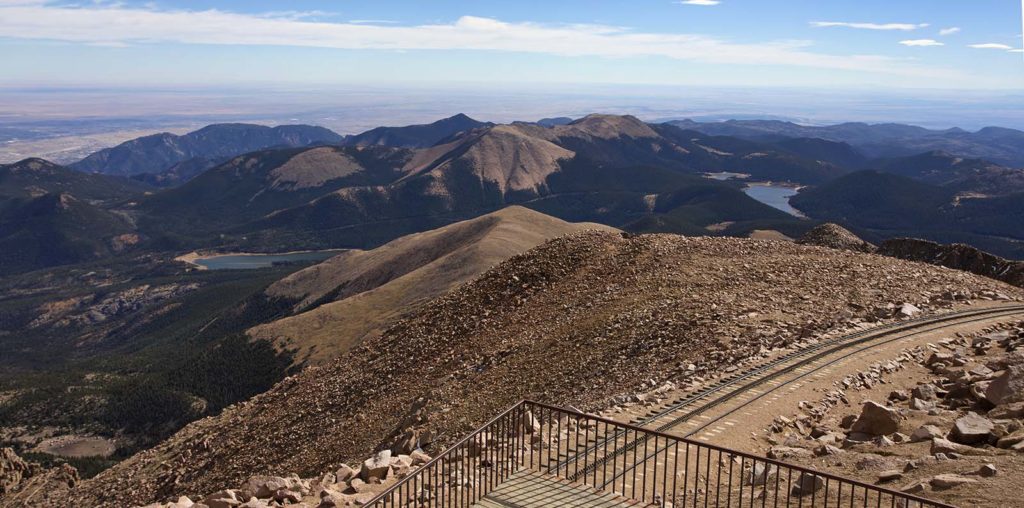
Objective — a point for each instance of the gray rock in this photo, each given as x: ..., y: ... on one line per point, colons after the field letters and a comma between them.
x: 949, y: 480
x: 926, y: 433
x: 760, y: 473
x: 807, y: 484
x: 924, y: 392
x: 877, y: 420
x: 783, y: 452
x: 1008, y: 387
x: 222, y: 499
x: 921, y: 404
x: 940, y: 445
x: 377, y: 467
x: 345, y: 473
x: 971, y: 429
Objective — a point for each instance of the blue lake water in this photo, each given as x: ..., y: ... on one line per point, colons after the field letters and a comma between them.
x: 252, y: 261
x: 774, y: 196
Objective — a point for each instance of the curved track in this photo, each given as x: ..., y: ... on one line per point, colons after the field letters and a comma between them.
x: 735, y: 385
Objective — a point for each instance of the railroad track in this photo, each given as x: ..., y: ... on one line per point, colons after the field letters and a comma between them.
x: 736, y: 384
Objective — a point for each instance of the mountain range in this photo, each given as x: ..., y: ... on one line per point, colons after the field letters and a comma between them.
x: 996, y: 144
x: 201, y: 149
x: 314, y: 189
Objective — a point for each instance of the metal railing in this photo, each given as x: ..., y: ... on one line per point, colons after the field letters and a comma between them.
x: 645, y: 466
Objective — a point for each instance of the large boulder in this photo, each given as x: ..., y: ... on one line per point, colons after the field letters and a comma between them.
x: 1008, y: 387
x: 377, y: 467
x: 971, y: 429
x: 265, y: 486
x: 877, y: 420
x: 222, y: 499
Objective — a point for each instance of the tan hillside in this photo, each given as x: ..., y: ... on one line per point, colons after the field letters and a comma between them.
x: 578, y: 320
x: 363, y: 292
x: 607, y: 127
x: 503, y: 155
x: 313, y: 168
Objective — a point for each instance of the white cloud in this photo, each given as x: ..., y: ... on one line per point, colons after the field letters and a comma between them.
x: 700, y: 2
x: 921, y: 42
x: 991, y: 45
x: 1017, y: 51
x: 870, y: 26
x: 949, y: 31
x: 111, y: 25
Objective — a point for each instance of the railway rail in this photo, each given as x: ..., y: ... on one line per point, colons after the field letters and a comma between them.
x: 736, y: 384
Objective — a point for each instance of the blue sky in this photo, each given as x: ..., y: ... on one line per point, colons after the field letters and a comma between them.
x: 860, y: 44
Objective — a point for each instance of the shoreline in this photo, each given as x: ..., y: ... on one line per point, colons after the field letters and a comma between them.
x: 191, y: 258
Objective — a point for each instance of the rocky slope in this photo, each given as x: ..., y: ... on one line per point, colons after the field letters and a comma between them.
x: 360, y: 293
x: 958, y: 256
x: 24, y: 483
x: 836, y: 237
x: 578, y: 320
x: 942, y: 420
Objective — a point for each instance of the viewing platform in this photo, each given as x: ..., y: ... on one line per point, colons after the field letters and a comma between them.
x: 536, y: 455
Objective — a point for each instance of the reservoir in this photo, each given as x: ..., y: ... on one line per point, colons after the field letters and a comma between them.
x: 775, y: 196
x: 772, y: 194
x: 251, y: 261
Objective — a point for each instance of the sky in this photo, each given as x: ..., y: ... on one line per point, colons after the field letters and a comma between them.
x: 854, y: 44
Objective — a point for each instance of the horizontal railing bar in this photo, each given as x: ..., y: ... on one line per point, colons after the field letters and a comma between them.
x: 795, y: 467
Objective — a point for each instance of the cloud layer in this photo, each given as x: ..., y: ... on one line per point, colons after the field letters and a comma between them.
x: 921, y: 42
x: 118, y: 25
x: 906, y: 27
x: 991, y: 45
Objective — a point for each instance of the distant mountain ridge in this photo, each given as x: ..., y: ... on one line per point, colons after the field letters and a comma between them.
x: 416, y: 136
x: 213, y: 143
x: 997, y: 144
x: 879, y: 205
x: 52, y: 215
x: 34, y: 177
x: 315, y: 189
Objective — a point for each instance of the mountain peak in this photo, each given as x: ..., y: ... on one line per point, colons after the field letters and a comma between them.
x: 613, y: 126
x: 32, y: 164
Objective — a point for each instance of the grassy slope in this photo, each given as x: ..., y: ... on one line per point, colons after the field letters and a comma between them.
x: 359, y: 294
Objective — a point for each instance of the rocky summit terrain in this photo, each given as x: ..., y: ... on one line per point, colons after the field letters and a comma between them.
x: 943, y: 420
x: 958, y: 256
x: 836, y: 237
x: 579, y: 320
